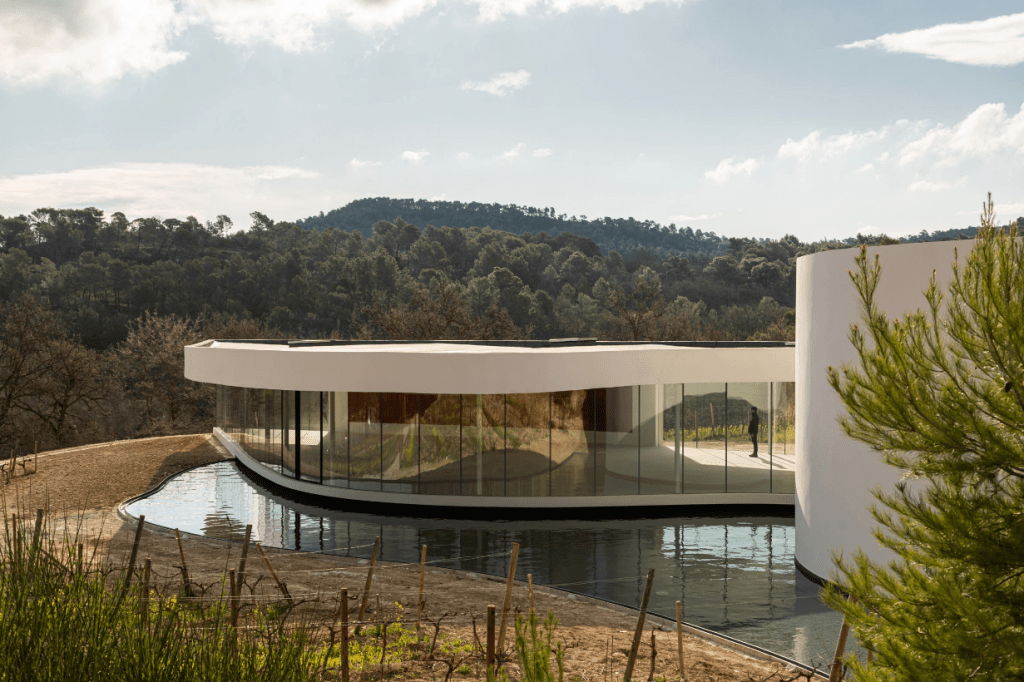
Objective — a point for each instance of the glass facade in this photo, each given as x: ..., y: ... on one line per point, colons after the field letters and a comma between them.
x: 629, y: 440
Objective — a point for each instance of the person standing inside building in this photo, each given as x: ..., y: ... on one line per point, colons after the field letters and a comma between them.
x: 755, y: 421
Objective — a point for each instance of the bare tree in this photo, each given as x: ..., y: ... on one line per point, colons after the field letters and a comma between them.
x: 153, y: 370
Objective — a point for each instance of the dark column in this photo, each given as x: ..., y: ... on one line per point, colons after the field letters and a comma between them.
x: 298, y: 434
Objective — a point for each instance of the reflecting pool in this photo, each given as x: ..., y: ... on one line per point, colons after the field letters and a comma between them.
x: 733, y: 575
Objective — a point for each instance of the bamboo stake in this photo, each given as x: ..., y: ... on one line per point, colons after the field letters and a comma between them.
x: 273, y: 574
x: 419, y: 603
x: 81, y: 555
x: 529, y: 584
x: 490, y: 641
x: 508, y: 595
x: 144, y: 602
x: 639, y: 627
x: 344, y: 633
x: 679, y: 638
x: 135, y: 551
x: 369, y: 581
x: 185, y: 582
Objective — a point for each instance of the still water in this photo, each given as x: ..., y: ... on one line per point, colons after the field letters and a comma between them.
x: 733, y: 575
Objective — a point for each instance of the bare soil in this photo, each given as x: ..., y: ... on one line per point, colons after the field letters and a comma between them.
x: 85, y: 485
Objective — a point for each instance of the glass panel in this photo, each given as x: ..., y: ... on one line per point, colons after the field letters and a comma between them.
x: 528, y: 444
x: 288, y: 421
x: 483, y: 445
x: 703, y: 429
x: 668, y: 468
x: 617, y: 414
x: 749, y: 421
x: 221, y: 420
x: 272, y: 431
x: 783, y: 437
x: 256, y: 424
x: 572, y: 443
x: 440, y: 463
x: 364, y: 440
x: 336, y: 447
x: 656, y: 461
x: 310, y: 431
x: 401, y: 459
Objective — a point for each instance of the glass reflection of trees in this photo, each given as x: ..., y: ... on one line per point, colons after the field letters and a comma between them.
x: 630, y: 440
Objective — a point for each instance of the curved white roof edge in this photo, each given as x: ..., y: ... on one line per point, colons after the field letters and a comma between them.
x: 471, y: 369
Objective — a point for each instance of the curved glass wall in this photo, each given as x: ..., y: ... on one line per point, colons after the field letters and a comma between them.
x: 628, y: 440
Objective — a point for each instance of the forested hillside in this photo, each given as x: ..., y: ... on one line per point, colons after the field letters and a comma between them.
x: 610, y: 234
x: 95, y: 309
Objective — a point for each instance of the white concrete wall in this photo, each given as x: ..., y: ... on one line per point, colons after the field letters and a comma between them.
x: 834, y: 475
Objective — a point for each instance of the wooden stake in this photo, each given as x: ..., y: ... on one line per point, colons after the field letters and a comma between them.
x: 185, y: 582
x: 234, y: 603
x: 135, y: 552
x: 273, y: 574
x: 37, y: 532
x: 529, y: 584
x: 81, y: 555
x: 16, y: 536
x: 490, y: 641
x: 419, y: 603
x: 245, y: 555
x: 508, y: 595
x: 654, y: 657
x: 679, y: 638
x: 144, y: 602
x: 369, y: 581
x: 836, y: 671
x: 344, y: 634
x: 639, y: 627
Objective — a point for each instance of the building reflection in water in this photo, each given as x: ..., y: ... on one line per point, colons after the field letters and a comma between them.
x: 734, y: 575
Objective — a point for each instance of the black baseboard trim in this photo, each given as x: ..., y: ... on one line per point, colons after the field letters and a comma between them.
x: 713, y: 511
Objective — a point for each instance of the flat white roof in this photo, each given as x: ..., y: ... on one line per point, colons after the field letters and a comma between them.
x: 469, y: 368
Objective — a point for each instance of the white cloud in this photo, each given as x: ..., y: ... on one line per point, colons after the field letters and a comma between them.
x: 493, y: 10
x: 438, y: 197
x: 692, y: 218
x: 985, y: 131
x: 866, y: 167
x: 927, y: 186
x: 512, y: 154
x: 97, y: 41
x: 727, y: 169
x: 814, y: 146
x: 1003, y: 211
x: 415, y: 158
x: 500, y: 84
x: 356, y: 163
x: 91, y: 40
x: 462, y: 156
x: 998, y: 41
x: 291, y: 24
x: 153, y: 189
x: 542, y: 153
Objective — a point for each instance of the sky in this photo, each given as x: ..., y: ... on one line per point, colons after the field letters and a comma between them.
x: 740, y: 117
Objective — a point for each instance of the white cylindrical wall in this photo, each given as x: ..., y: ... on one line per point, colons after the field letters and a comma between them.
x: 834, y: 474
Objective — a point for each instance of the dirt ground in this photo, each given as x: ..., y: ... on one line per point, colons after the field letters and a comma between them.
x: 85, y: 486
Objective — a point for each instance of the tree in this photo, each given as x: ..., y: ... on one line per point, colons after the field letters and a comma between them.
x: 940, y: 394
x: 153, y: 369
